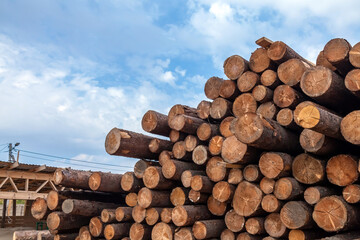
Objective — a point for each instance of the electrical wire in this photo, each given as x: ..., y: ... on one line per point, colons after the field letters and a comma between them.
x: 4, y: 148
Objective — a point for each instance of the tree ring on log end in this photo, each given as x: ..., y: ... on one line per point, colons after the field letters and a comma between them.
x: 308, y: 117
x: 247, y: 128
x: 112, y: 141
x: 95, y: 181
x: 316, y: 81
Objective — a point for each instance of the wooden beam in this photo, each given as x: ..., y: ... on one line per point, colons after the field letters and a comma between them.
x: 264, y: 42
x: 52, y: 185
x: 22, y: 195
x: 38, y: 169
x: 13, y: 185
x: 26, y: 184
x: 3, y: 182
x: 41, y: 186
x: 3, y: 213
x: 26, y: 175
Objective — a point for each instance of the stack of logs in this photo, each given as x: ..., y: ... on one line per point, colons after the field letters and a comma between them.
x: 274, y: 155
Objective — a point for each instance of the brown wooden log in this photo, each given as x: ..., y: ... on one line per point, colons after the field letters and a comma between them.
x: 163, y: 231
x: 270, y: 79
x: 351, y: 193
x: 63, y: 221
x: 83, y: 229
x: 312, y: 195
x: 188, y: 214
x: 96, y: 227
x: 247, y: 199
x: 235, y: 176
x: 85, y: 207
x: 279, y: 52
x: 173, y: 169
x: 267, y: 185
x: 152, y: 216
x: 308, y: 169
x: 188, y: 174
x: 72, y: 178
x: 212, y: 87
x: 235, y: 151
x: 354, y: 55
x: 108, y: 215
x: 220, y: 108
x: 288, y: 188
x: 271, y: 204
x: 252, y: 173
x: 131, y: 199
x: 206, y: 131
x: 229, y: 90
x: 165, y: 156
x: 130, y: 183
x: 176, y: 136
x: 259, y: 61
x: 151, y: 198
x: 215, y: 145
x: 247, y: 81
x: 203, y: 109
x: 201, y: 155
x: 184, y: 233
x: 274, y: 226
x: 138, y: 214
x: 333, y: 214
x: 235, y: 66
x: 234, y: 221
x: 247, y: 236
x: 179, y: 151
x: 275, y: 164
x: 123, y: 214
x: 227, y: 234
x: 349, y: 127
x: 39, y: 209
x: 255, y: 225
x: 117, y: 230
x: 206, y: 229
x: 267, y: 110
x: 285, y: 118
x: 179, y: 109
x: 158, y: 145
x: 140, y: 232
x: 287, y: 97
x: 165, y: 215
x: 243, y: 104
x: 322, y: 61
x: 344, y: 236
x: 197, y: 197
x: 154, y: 179
x: 264, y: 133
x: 297, y: 234
x: 186, y: 124
x: 341, y: 170
x: 202, y: 184
x: 26, y: 235
x: 225, y: 126
x: 191, y: 142
x: 156, y: 123
x: 216, y: 207
x: 68, y: 236
x: 336, y: 51
x: 223, y: 191
x: 262, y: 94
x: 297, y: 215
x: 105, y: 182
x: 85, y: 235
x: 352, y: 81
x: 216, y: 169
x: 291, y: 71
x: 43, y: 235
x: 125, y: 143
x: 141, y: 165
x: 328, y: 89
x: 179, y: 196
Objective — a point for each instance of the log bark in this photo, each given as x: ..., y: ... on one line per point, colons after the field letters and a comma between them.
x: 255, y: 225
x: 151, y: 198
x: 179, y: 151
x: 252, y: 173
x: 285, y: 118
x: 312, y: 195
x: 130, y: 183
x: 152, y: 216
x: 63, y: 221
x: 85, y: 207
x: 288, y: 189
x: 201, y: 184
x: 291, y: 71
x: 352, y: 81
x: 206, y: 131
x: 165, y: 215
x: 176, y: 136
x: 72, y: 178
x: 158, y: 145
x: 141, y: 165
x: 287, y: 97
x: 186, y: 124
x: 216, y: 169
x: 216, y: 207
x: 259, y: 61
x: 131, y: 199
x: 105, y: 182
x: 179, y: 109
x: 26, y: 235
x: 267, y: 185
x: 243, y: 104
x: 198, y: 197
x: 201, y: 155
x: 212, y: 87
x: 163, y: 231
x: 223, y: 191
x: 274, y: 226
x: 154, y: 179
x: 123, y: 214
x: 220, y: 108
x: 117, y: 230
x: 173, y: 169
x: 234, y: 221
x: 140, y: 232
x: 179, y: 196
x: 235, y: 151
x: 184, y: 233
x: 188, y: 214
x: 125, y: 143
x: 270, y: 79
x: 279, y: 52
x: 156, y: 123
x: 96, y: 227
x: 336, y: 51
x: 297, y: 234
x: 262, y: 94
x: 350, y: 127
x: 191, y: 142
x: 225, y: 126
x: 203, y: 109
x: 235, y: 66
x: 247, y: 81
x: 108, y: 215
x: 271, y: 204
x: 229, y: 90
x: 247, y: 236
x: 297, y: 215
x: 344, y: 236
x: 235, y: 176
x: 68, y: 236
x: 308, y: 169
x: 247, y: 199
x: 322, y: 61
x: 267, y: 110
x: 188, y: 174
x: 206, y: 229
x: 351, y: 193
x: 341, y: 170
x: 215, y: 145
x: 275, y: 164
x: 39, y: 209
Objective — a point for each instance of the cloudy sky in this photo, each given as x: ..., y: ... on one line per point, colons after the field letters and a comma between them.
x: 72, y: 70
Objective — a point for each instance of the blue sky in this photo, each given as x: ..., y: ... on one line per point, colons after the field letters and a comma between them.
x: 72, y: 70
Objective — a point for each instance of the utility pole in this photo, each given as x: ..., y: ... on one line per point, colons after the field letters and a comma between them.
x: 11, y: 149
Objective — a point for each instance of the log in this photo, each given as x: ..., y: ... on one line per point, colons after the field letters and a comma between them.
x: 85, y: 207
x: 225, y: 126
x: 202, y: 184
x: 252, y: 173
x: 274, y: 226
x: 184, y: 233
x: 140, y: 167
x: 186, y: 124
x: 108, y: 215
x: 287, y: 97
x: 43, y: 235
x: 203, y: 109
x: 179, y: 109
x: 288, y: 188
x: 328, y: 89
x: 165, y: 215
x: 68, y: 236
x: 322, y: 61
x: 336, y: 51
x: 351, y: 193
x: 179, y: 196
x: 85, y: 235
x: 262, y: 94
x: 271, y: 204
x: 259, y: 61
x: 352, y: 81
x: 188, y: 174
x: 188, y: 214
x: 291, y: 71
x: 206, y: 229
x: 191, y: 142
x: 312, y: 195
x: 216, y: 169
x: 176, y: 136
x: 39, y: 209
x: 349, y: 127
x: 105, y: 182
x: 179, y: 151
x: 154, y: 179
x: 247, y: 236
x: 235, y: 176
x: 151, y: 198
x: 123, y: 214
x: 234, y: 221
x: 279, y: 52
x: 220, y: 108
x: 275, y: 164
x: 235, y: 66
x: 201, y: 155
x: 223, y: 191
x: 229, y: 90
x: 212, y: 87
x: 267, y: 110
x: 354, y: 55
x: 255, y: 225
x: 297, y: 234
x: 117, y: 230
x: 152, y: 216
x: 131, y: 199
x: 173, y: 169
x: 247, y: 199
x: 96, y: 227
x: 156, y: 123
x: 215, y: 145
x: 297, y: 215
x: 130, y: 183
x: 165, y: 156
x: 206, y: 131
x: 216, y: 207
x: 158, y: 145
x: 63, y: 221
x: 140, y: 232
x: 267, y: 185
x: 270, y: 79
x: 333, y: 214
x: 344, y: 236
x: 26, y: 234
x: 125, y: 143
x: 264, y: 133
x: 308, y: 169
x: 285, y: 118
x: 72, y: 178
x: 235, y: 151
x: 138, y: 214
x: 341, y: 170
x: 227, y: 234
x: 197, y: 197
x: 243, y: 104
x: 247, y: 81
x: 163, y: 231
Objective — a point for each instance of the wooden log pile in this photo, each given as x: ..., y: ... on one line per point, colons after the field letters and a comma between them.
x: 273, y: 154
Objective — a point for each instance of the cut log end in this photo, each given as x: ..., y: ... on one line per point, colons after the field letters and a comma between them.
x: 247, y: 199
x: 243, y: 104
x: 247, y: 81
x: 113, y: 141
x: 315, y: 82
x: 234, y: 66
x: 96, y: 226
x: 277, y: 50
x: 350, y: 127
x: 248, y: 127
x: 351, y: 193
x: 39, y: 208
x: 336, y: 50
x: 341, y: 170
x: 162, y: 231
x: 95, y: 181
x: 212, y: 87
